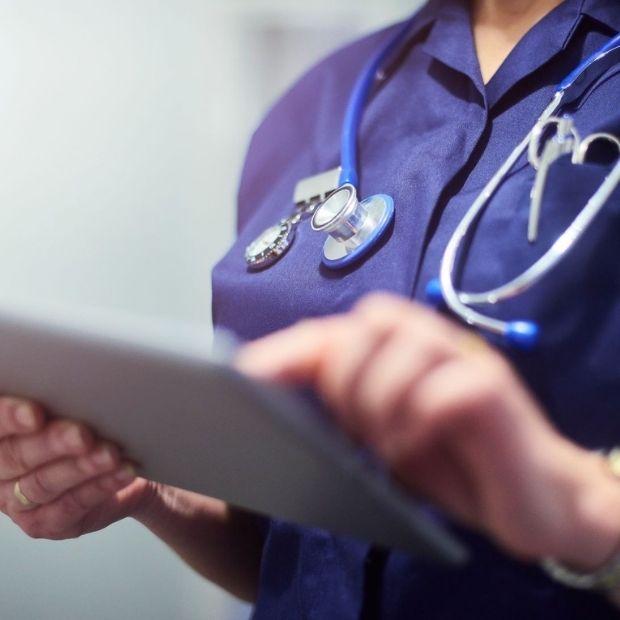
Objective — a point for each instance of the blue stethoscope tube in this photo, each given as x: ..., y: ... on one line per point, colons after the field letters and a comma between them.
x: 365, y: 221
x: 357, y: 102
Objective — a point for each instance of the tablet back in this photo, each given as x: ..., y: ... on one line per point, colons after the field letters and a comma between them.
x: 192, y: 423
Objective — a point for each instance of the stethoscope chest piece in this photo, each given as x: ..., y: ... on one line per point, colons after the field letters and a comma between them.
x: 354, y: 227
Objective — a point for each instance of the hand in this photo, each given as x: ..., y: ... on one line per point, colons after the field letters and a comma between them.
x: 454, y: 423
x: 70, y: 481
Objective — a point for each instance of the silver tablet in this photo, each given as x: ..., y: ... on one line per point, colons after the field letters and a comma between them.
x: 197, y: 424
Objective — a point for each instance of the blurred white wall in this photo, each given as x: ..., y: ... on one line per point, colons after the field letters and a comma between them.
x: 123, y: 125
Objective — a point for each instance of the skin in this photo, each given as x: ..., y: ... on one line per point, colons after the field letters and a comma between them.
x: 79, y: 483
x: 498, y: 25
x: 445, y: 412
x: 454, y: 423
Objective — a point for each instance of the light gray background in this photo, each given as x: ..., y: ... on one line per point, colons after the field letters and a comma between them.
x: 122, y: 130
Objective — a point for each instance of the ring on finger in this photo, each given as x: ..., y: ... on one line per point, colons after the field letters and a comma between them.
x: 469, y: 343
x: 21, y: 498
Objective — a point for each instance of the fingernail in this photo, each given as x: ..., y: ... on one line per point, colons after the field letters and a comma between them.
x: 102, y: 457
x: 73, y: 437
x: 126, y: 473
x: 25, y: 415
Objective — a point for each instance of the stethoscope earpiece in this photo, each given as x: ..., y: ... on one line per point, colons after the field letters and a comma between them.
x: 522, y: 335
x: 434, y: 294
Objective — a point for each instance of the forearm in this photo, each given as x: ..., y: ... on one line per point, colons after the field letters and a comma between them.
x: 221, y: 543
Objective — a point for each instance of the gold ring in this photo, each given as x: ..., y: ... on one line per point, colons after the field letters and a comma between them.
x: 21, y: 498
x: 468, y: 343
x: 613, y: 461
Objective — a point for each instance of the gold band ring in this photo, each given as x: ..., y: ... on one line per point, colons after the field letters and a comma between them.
x: 468, y: 342
x: 21, y: 498
x: 613, y: 461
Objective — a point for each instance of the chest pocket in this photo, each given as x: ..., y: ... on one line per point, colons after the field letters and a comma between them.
x: 499, y: 249
x: 577, y: 304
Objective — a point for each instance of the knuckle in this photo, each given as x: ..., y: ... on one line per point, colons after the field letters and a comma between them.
x: 106, y: 485
x: 68, y: 437
x: 428, y: 344
x: 485, y: 389
x: 480, y: 402
x: 480, y: 399
x: 69, y: 506
x: 376, y: 305
x: 490, y: 379
x: 37, y: 487
x: 310, y: 324
x: 377, y: 299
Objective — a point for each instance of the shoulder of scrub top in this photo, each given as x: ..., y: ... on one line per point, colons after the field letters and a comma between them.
x: 312, y: 107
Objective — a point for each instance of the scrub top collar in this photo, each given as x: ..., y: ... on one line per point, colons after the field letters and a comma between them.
x: 450, y: 41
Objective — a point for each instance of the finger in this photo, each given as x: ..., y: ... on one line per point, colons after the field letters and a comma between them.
x: 458, y: 400
x: 18, y: 416
x: 64, y: 517
x: 44, y: 485
x: 379, y: 308
x: 404, y: 358
x: 370, y: 324
x: 296, y: 353
x: 22, y: 454
x: 487, y: 422
x: 340, y: 365
x: 292, y: 355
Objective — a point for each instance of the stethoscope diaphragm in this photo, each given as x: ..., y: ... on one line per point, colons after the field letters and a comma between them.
x: 353, y: 227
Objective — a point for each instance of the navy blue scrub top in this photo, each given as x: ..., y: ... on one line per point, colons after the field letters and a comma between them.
x: 431, y: 137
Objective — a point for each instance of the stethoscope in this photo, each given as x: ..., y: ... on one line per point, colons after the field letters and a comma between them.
x: 354, y: 227
x: 519, y: 333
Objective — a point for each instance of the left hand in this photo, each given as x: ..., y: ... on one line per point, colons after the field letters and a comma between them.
x: 454, y: 423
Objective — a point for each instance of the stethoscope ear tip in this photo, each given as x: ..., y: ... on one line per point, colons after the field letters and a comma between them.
x: 433, y: 293
x: 522, y: 335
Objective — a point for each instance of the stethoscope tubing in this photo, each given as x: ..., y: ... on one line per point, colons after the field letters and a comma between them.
x: 524, y: 333
x: 562, y: 245
x: 453, y: 298
x: 574, y: 76
x: 357, y: 103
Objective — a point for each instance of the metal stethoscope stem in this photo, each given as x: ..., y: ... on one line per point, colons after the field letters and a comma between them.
x: 520, y: 333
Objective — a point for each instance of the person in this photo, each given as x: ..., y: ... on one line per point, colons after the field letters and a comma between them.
x: 502, y: 442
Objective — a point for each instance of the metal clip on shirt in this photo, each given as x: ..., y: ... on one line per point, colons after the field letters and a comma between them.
x: 562, y: 143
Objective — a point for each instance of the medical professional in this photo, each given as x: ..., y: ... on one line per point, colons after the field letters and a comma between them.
x: 500, y: 422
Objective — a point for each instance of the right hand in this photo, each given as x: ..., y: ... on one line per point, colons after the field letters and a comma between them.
x: 74, y: 482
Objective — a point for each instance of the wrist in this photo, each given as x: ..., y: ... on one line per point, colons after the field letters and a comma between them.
x: 593, y: 535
